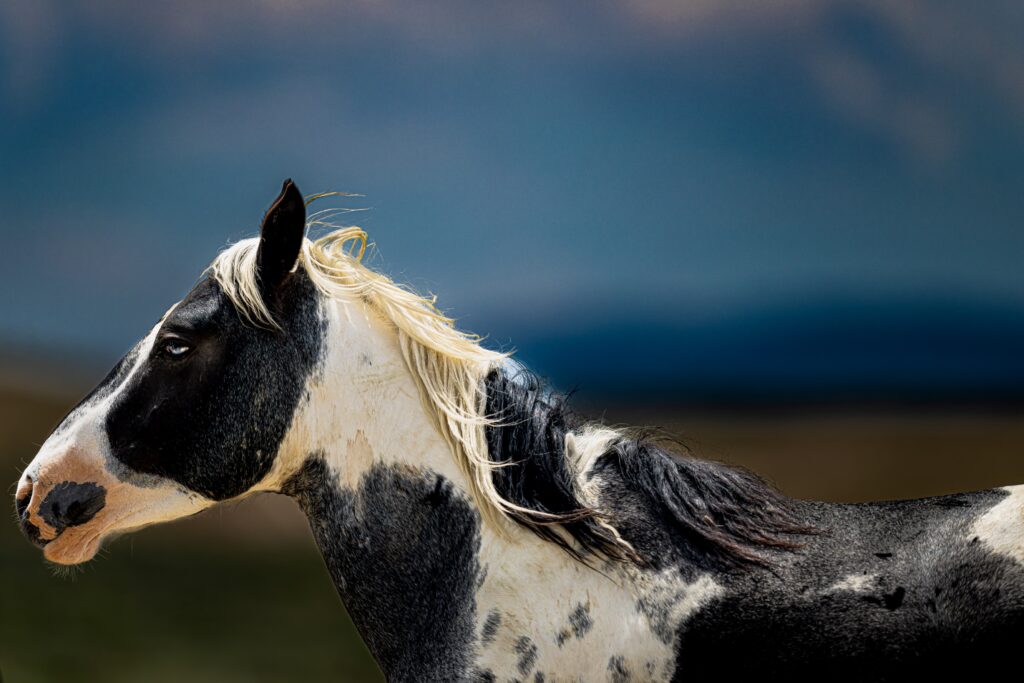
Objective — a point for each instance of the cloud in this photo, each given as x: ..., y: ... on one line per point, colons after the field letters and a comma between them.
x: 971, y: 41
x: 955, y: 51
x: 671, y: 20
x: 966, y: 45
x: 859, y: 93
x: 29, y: 37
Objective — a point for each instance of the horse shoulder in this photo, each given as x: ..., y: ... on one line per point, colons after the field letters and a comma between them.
x: 1001, y: 528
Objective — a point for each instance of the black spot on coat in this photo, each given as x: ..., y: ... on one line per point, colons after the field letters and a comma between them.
x: 618, y: 673
x: 580, y: 620
x: 527, y: 651
x: 402, y: 551
x: 490, y: 627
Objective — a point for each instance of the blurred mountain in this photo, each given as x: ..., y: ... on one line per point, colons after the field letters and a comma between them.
x: 833, y: 349
x: 837, y: 349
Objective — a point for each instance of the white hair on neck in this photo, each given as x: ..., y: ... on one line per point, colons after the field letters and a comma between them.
x: 448, y: 365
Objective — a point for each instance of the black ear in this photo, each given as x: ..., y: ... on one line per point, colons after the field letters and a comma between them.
x: 284, y: 226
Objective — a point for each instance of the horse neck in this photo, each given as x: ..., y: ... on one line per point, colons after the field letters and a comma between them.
x: 388, y: 505
x: 419, y: 571
x: 364, y: 408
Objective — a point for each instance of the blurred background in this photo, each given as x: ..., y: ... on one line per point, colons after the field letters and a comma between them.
x: 790, y: 232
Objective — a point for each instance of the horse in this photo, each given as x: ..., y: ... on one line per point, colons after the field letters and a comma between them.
x: 475, y: 527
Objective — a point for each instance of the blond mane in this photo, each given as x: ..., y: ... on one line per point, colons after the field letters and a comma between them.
x: 447, y: 364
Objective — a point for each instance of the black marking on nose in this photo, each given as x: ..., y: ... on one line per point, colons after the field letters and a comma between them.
x: 31, y: 532
x: 72, y: 504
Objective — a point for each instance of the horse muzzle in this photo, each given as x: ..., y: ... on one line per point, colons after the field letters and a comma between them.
x: 58, y: 503
x: 63, y: 505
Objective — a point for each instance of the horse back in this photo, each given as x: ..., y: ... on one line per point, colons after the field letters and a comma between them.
x: 884, y: 591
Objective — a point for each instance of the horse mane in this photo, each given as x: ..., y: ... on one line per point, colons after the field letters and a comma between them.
x: 712, y: 513
x: 522, y: 450
x: 533, y: 437
x: 447, y: 364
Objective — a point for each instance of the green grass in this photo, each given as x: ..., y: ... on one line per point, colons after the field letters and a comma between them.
x: 159, y: 608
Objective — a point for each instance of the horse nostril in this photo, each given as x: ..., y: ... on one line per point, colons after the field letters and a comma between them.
x: 22, y: 498
x: 23, y: 495
x: 72, y: 504
x: 21, y: 505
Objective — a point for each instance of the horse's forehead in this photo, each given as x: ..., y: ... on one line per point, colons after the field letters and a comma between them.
x: 204, y: 302
x: 206, y: 293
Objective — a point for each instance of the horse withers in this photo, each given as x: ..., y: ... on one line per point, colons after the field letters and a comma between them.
x: 476, y: 529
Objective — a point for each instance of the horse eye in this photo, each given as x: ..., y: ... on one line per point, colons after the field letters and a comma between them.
x: 176, y: 348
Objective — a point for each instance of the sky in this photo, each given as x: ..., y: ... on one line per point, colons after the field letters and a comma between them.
x: 716, y: 193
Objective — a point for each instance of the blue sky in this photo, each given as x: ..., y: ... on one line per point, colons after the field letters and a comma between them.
x: 544, y: 167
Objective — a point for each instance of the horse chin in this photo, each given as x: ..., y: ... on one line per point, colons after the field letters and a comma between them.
x: 73, y: 547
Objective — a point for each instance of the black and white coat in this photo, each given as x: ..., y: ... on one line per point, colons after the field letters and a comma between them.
x: 660, y: 566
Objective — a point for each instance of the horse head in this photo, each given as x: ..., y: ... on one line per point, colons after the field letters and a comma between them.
x: 194, y: 414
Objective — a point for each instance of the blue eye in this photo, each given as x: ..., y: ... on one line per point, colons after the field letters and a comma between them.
x: 176, y: 348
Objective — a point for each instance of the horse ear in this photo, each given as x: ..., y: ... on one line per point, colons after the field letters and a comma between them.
x: 281, y: 235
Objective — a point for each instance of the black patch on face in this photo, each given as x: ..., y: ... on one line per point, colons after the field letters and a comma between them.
x: 402, y: 550
x: 107, y: 385
x: 72, y: 504
x: 942, y: 607
x: 213, y: 419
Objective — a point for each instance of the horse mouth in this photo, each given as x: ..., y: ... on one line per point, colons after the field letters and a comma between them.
x: 73, y: 546
x: 65, y: 517
x: 72, y: 518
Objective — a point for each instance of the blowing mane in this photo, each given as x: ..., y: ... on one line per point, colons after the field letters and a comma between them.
x: 447, y: 364
x: 525, y: 454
